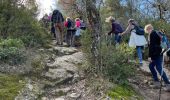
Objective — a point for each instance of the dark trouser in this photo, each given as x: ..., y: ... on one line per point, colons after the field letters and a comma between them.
x: 53, y: 30
x: 77, y: 40
x: 117, y: 38
x: 70, y: 37
x: 158, y: 64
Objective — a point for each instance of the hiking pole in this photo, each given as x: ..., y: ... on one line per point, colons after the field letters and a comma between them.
x: 160, y: 91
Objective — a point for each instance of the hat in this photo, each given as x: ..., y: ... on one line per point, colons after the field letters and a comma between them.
x: 110, y: 19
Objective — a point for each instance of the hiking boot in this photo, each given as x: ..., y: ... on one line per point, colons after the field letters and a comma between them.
x: 156, y: 85
x: 167, y: 88
x: 140, y: 64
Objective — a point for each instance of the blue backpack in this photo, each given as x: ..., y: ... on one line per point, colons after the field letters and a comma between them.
x: 164, y: 40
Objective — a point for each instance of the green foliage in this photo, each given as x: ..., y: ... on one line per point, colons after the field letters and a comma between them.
x: 17, y: 21
x: 10, y: 85
x: 124, y: 92
x: 11, y: 51
x: 116, y: 62
x: 11, y: 43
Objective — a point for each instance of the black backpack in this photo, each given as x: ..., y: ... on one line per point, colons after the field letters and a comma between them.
x: 139, y: 30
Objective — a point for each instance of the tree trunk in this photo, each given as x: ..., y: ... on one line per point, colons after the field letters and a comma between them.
x: 93, y: 16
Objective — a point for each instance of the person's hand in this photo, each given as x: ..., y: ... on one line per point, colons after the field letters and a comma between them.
x: 149, y: 59
x: 120, y: 34
x: 106, y: 33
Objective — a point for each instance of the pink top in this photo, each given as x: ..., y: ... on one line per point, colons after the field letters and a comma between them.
x: 78, y: 24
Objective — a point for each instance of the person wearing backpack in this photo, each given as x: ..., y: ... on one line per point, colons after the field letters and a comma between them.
x: 70, y: 31
x: 156, y: 57
x: 137, y: 38
x: 58, y: 19
x: 78, y: 32
x: 116, y: 30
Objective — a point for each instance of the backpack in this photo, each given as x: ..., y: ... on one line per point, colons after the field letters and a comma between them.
x: 118, y: 28
x: 139, y: 30
x: 69, y: 24
x: 164, y: 40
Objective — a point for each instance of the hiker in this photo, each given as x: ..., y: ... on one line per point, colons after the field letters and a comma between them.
x: 78, y: 32
x: 116, y: 30
x: 57, y: 20
x: 70, y: 31
x: 82, y: 24
x: 137, y: 40
x: 45, y: 21
x: 156, y: 56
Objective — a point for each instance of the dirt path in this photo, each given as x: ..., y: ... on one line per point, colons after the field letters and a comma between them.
x: 143, y: 84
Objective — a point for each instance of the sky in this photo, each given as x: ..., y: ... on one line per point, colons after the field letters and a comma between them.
x: 46, y: 6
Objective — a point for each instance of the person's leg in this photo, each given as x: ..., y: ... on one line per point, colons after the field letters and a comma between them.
x: 159, y: 68
x: 139, y: 53
x: 116, y: 38
x: 153, y: 71
x: 60, y: 26
x: 67, y: 37
x: 56, y: 33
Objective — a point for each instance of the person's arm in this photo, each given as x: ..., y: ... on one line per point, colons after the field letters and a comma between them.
x: 128, y: 29
x: 113, y: 29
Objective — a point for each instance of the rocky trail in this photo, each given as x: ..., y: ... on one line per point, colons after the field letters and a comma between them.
x: 61, y: 80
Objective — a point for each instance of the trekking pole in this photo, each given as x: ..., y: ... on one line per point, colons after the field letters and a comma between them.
x: 160, y: 91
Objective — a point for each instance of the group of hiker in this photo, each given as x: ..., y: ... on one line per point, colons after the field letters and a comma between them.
x: 137, y: 40
x: 157, y: 42
x: 73, y: 29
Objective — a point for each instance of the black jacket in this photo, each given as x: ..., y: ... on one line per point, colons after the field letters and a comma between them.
x: 57, y: 17
x: 154, y: 45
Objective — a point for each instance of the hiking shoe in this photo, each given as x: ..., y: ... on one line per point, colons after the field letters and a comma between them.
x: 140, y: 64
x: 156, y: 85
x: 167, y: 88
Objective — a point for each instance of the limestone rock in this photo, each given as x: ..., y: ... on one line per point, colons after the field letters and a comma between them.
x: 74, y: 96
x: 65, y: 50
x: 58, y: 75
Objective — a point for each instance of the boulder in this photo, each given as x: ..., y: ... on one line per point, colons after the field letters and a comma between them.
x: 64, y: 50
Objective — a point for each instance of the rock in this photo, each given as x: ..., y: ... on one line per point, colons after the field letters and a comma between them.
x: 76, y: 58
x: 65, y: 50
x: 74, y: 96
x: 30, y: 92
x: 60, y: 98
x: 44, y: 98
x: 60, y: 92
x: 58, y: 76
x: 145, y: 68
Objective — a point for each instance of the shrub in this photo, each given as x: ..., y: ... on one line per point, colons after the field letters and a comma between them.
x: 12, y: 51
x: 115, y: 61
x: 17, y: 21
x: 116, y: 65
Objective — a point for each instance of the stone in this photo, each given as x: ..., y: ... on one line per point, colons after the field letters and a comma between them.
x: 59, y: 76
x: 61, y: 92
x: 74, y: 96
x: 60, y: 98
x: 65, y: 50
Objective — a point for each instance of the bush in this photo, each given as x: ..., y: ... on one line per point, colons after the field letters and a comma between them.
x: 12, y: 51
x: 115, y: 61
x: 116, y: 65
x: 17, y: 21
x: 11, y: 43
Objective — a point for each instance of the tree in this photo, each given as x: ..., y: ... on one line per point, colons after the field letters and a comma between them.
x: 93, y: 16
